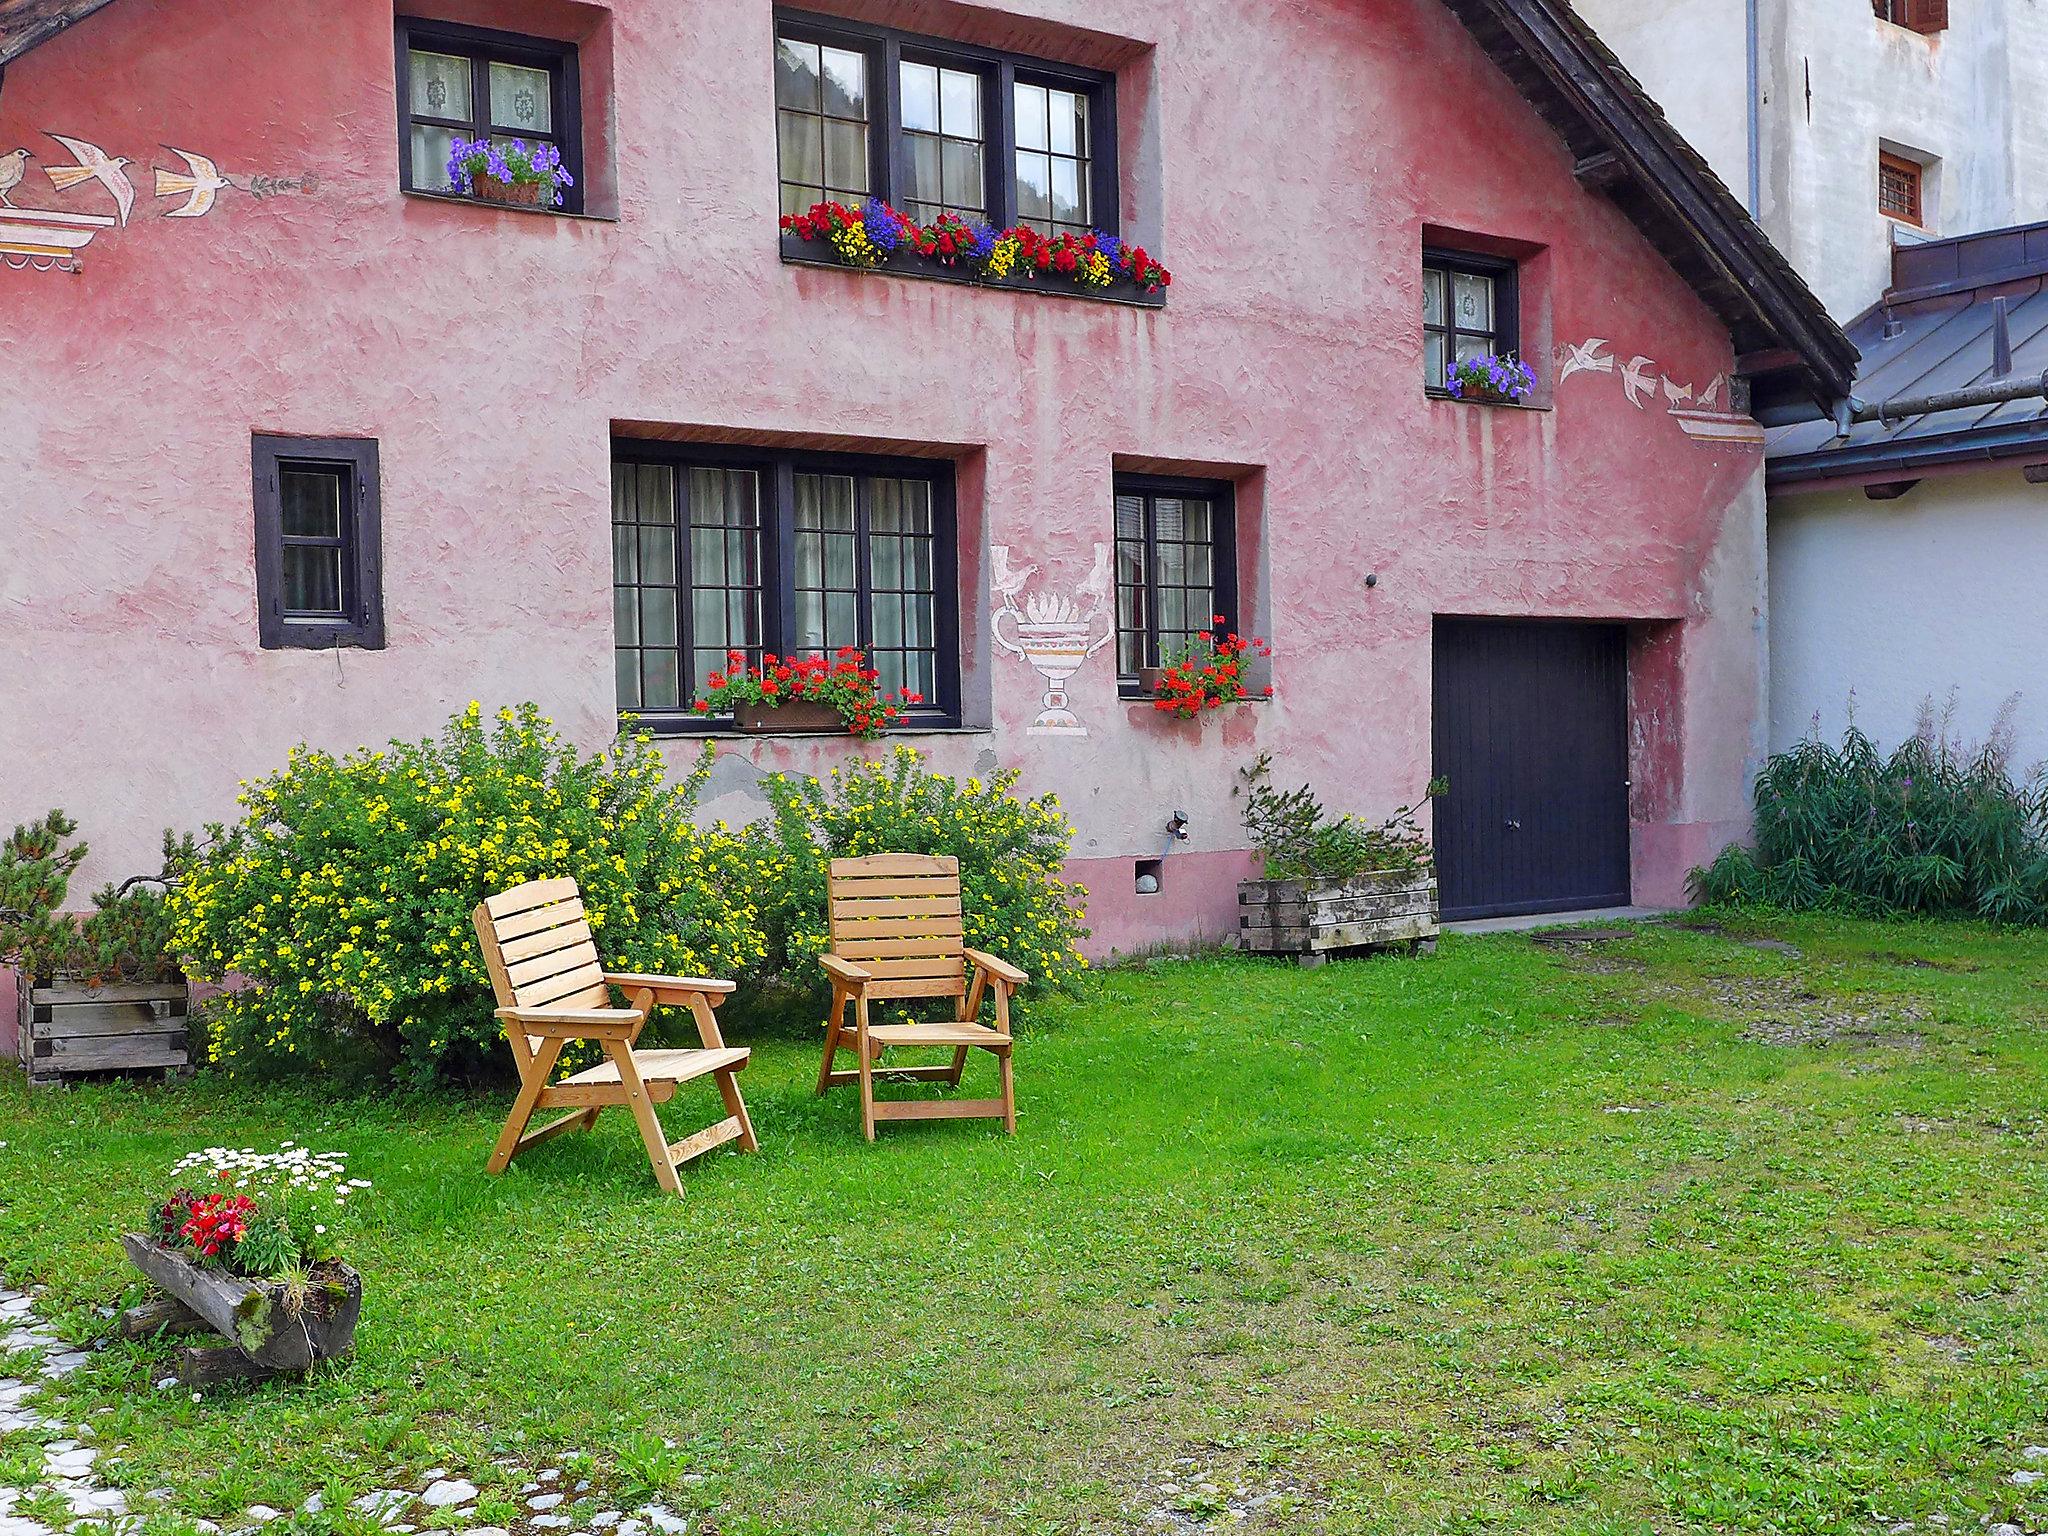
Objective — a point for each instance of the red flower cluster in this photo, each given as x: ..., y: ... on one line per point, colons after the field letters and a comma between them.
x: 844, y: 682
x: 866, y: 234
x: 214, y: 1222
x: 1208, y: 675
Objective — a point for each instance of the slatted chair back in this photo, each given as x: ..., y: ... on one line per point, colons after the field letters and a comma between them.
x: 897, y: 917
x: 540, y: 953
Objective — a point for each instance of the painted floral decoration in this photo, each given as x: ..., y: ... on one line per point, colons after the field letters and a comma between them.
x: 1488, y: 377
x: 865, y: 235
x: 1208, y: 673
x: 844, y: 682
x: 517, y: 164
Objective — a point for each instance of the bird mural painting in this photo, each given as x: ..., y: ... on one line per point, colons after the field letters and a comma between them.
x: 13, y: 166
x: 1100, y: 581
x: 1008, y: 580
x: 1678, y: 394
x: 1636, y: 380
x: 200, y: 184
x: 94, y: 164
x: 1585, y: 359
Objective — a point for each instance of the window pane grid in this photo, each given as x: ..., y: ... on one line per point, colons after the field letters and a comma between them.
x: 821, y: 121
x: 943, y: 142
x: 312, y: 531
x: 692, y: 552
x: 459, y: 90
x: 1460, y: 320
x: 1165, y: 576
x: 1052, y: 169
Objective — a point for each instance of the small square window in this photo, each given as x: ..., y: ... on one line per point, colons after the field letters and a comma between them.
x: 318, y: 565
x: 459, y: 82
x: 1899, y: 187
x: 1468, y: 310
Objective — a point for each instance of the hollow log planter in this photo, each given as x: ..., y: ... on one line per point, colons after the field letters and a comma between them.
x: 1315, y: 920
x: 252, y: 1316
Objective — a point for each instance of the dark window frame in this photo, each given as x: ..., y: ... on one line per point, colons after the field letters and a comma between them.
x: 482, y: 46
x: 1923, y: 16
x: 887, y: 47
x: 1222, y: 494
x: 1915, y: 175
x: 778, y: 470
x: 1507, y: 307
x: 361, y: 624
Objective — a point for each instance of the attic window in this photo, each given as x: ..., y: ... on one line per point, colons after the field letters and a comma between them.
x: 1914, y: 15
x: 1898, y: 189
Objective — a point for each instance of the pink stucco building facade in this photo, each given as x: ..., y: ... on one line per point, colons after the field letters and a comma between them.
x: 1291, y: 166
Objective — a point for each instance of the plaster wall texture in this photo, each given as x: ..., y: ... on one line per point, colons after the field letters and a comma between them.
x: 1838, y: 85
x: 1282, y: 162
x: 1878, y: 607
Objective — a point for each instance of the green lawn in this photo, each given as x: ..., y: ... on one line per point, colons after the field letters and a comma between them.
x: 1671, y: 1232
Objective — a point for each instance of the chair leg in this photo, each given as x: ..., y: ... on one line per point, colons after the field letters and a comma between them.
x: 867, y: 1073
x: 1009, y: 1093
x: 651, y: 1133
x: 530, y: 1089
x: 959, y: 1065
x: 832, y: 1024
x: 729, y: 1089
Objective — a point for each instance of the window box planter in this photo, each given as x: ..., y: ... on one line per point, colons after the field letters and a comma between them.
x: 252, y: 1314
x: 515, y: 194
x: 1314, y: 920
x: 799, y: 718
x: 69, y: 1029
x: 1148, y: 680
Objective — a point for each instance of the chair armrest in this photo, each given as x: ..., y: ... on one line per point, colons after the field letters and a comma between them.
x: 672, y: 991
x: 845, y: 970
x: 574, y: 1023
x: 1001, y: 970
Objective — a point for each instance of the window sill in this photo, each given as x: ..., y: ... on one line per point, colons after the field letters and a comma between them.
x: 478, y: 202
x: 798, y: 252
x: 691, y: 727
x: 1447, y: 398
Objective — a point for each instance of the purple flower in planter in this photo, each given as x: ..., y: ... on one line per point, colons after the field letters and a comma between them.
x: 515, y: 164
x: 1490, y: 377
x: 885, y: 229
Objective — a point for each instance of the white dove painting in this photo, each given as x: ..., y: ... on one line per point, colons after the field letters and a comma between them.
x: 94, y: 164
x: 199, y: 183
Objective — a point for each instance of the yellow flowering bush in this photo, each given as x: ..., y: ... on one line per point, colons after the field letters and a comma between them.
x: 343, y: 895
x: 1010, y: 852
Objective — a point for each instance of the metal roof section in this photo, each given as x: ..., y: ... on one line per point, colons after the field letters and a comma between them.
x: 1965, y: 317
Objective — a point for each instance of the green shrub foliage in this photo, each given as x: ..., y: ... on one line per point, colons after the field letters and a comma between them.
x: 1010, y: 852
x: 1299, y: 840
x: 1931, y: 829
x: 344, y: 894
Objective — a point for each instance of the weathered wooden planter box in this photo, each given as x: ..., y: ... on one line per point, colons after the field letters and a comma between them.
x: 69, y: 1029
x: 1316, y: 919
x: 800, y: 717
x: 252, y: 1315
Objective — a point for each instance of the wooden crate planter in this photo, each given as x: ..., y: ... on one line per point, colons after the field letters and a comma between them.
x: 1316, y: 919
x: 264, y: 1338
x: 68, y: 1029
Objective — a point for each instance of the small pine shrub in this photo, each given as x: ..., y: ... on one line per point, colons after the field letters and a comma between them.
x: 1011, y: 851
x: 1931, y: 830
x: 125, y: 938
x: 344, y: 894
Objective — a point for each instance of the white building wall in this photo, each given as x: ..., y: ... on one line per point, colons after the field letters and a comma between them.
x: 1837, y: 86
x: 1880, y: 606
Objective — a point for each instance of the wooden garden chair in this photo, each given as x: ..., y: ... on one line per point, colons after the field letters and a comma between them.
x: 552, y: 990
x: 896, y: 933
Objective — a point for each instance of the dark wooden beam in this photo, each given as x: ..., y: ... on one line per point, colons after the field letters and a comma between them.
x: 2037, y: 474
x: 1770, y: 360
x: 1889, y: 490
x: 1598, y: 172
